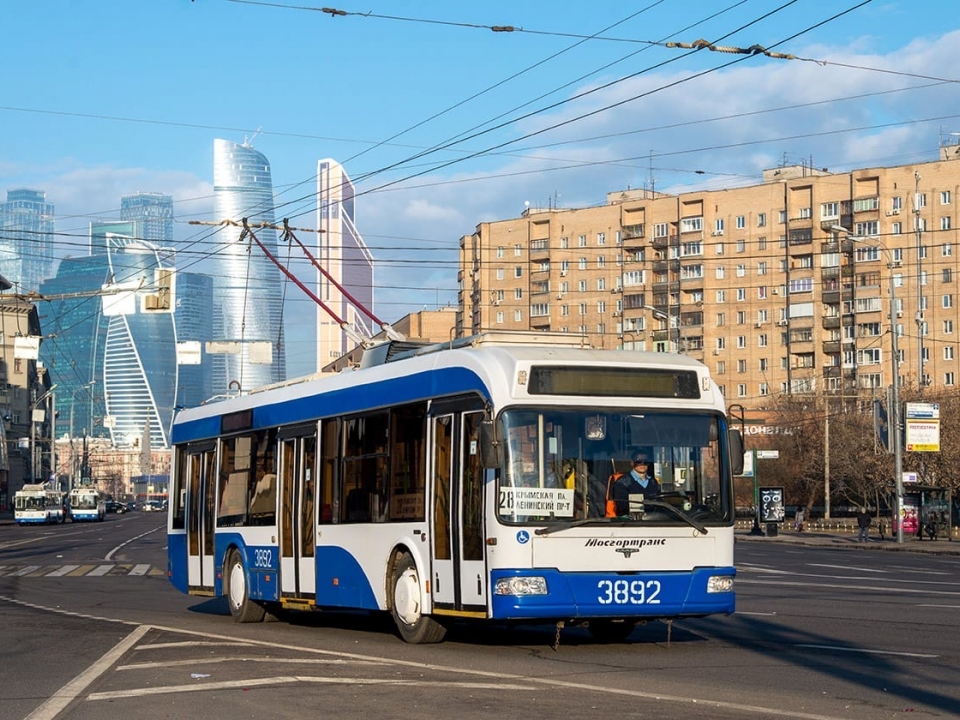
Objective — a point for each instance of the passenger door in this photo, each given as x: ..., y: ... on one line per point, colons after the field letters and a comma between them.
x: 200, y: 519
x: 459, y: 570
x: 298, y: 461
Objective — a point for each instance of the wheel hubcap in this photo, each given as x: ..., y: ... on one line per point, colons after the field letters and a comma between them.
x: 237, y: 585
x: 406, y: 597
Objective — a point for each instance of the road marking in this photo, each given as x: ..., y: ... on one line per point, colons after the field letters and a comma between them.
x: 924, y: 591
x: 69, y: 692
x: 82, y: 570
x: 25, y: 571
x: 139, y: 570
x: 847, y: 567
x: 288, y: 679
x: 109, y: 556
x: 100, y: 570
x: 62, y: 570
x: 743, y: 612
x: 867, y: 651
x: 941, y: 606
x: 244, y: 659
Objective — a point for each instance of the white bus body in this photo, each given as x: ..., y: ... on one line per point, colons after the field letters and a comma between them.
x: 469, y: 482
x: 87, y: 504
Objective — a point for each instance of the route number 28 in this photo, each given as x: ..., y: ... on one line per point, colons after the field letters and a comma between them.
x: 628, y: 592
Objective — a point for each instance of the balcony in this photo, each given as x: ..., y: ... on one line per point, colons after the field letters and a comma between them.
x: 831, y: 347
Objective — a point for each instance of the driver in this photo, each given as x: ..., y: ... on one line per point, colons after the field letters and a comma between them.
x: 639, y: 481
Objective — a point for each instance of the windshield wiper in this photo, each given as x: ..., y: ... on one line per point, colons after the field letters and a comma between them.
x: 679, y: 513
x: 572, y: 524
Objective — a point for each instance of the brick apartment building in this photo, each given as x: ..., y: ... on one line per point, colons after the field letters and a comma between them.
x: 780, y: 287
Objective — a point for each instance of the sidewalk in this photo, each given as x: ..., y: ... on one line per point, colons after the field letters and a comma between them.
x: 815, y: 538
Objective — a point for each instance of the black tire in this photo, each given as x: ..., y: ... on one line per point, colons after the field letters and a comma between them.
x: 406, y: 604
x: 611, y: 631
x: 242, y: 608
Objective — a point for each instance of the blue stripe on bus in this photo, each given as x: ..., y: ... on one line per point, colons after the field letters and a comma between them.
x: 639, y: 595
x: 341, y: 582
x: 394, y: 391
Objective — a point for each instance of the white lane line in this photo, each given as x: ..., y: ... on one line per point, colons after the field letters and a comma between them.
x: 190, y: 644
x: 853, y: 568
x: 139, y: 570
x: 866, y: 651
x: 288, y: 679
x: 69, y: 692
x: 822, y: 585
x: 100, y: 570
x: 62, y: 570
x: 939, y: 606
x: 109, y: 555
x: 744, y: 612
x: 244, y: 659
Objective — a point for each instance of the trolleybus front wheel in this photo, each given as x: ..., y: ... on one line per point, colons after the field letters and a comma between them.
x: 406, y: 605
x: 242, y: 608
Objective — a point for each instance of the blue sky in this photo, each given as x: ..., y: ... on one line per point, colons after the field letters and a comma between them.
x: 102, y: 98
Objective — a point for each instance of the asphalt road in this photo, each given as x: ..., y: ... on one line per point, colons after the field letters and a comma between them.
x: 92, y: 629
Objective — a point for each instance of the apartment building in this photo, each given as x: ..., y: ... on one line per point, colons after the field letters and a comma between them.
x: 779, y: 287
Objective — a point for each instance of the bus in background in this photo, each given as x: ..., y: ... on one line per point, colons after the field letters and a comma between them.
x: 87, y: 503
x: 37, y: 504
x: 468, y: 480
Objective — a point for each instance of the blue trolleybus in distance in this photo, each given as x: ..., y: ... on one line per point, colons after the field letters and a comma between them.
x: 486, y: 479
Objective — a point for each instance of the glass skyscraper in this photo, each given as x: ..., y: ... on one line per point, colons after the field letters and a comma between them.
x: 152, y: 214
x: 247, y: 289
x: 344, y: 255
x: 26, y: 239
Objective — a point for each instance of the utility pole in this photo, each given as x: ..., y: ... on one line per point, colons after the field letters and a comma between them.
x: 919, y: 316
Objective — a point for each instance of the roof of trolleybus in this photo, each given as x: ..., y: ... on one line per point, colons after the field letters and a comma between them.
x: 495, y: 369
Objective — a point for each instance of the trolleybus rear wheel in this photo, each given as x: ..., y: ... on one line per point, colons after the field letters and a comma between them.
x: 406, y: 605
x: 242, y: 608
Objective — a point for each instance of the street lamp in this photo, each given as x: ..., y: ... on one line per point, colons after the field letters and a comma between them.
x: 894, y: 425
x: 33, y: 430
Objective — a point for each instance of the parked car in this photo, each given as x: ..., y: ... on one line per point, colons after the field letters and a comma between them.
x: 155, y: 506
x: 116, y: 507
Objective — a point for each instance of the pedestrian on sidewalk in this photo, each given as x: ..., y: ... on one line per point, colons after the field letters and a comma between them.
x: 798, y: 520
x: 863, y: 522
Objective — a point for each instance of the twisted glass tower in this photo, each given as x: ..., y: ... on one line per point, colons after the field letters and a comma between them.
x: 247, y: 289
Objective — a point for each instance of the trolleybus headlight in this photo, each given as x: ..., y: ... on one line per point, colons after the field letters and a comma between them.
x: 521, y: 586
x: 720, y: 584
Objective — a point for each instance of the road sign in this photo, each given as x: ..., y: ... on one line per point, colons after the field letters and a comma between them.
x: 768, y: 454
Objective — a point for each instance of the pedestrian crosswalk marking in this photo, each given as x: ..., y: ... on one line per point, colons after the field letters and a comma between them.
x: 73, y: 570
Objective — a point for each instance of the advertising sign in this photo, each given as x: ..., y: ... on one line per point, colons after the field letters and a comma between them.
x: 771, y: 504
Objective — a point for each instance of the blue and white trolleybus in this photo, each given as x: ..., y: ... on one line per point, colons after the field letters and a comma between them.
x: 476, y: 479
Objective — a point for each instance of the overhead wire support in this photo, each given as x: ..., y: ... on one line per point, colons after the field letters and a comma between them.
x: 752, y: 50
x: 247, y: 231
x: 387, y: 328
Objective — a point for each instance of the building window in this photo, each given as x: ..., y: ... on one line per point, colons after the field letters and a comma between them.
x: 581, y: 241
x: 763, y: 364
x: 829, y: 211
x: 718, y: 226
x: 499, y: 273
x: 741, y: 270
x: 661, y: 230
x: 762, y: 389
x: 762, y: 340
x: 741, y: 390
x: 761, y: 243
x: 945, y: 222
x: 517, y: 250
x: 720, y: 272
x: 721, y: 319
x: 719, y: 248
x: 948, y: 378
x: 721, y: 368
x: 564, y: 243
x: 761, y: 219
x: 741, y: 246
x: 518, y: 271
x: 741, y: 294
x: 601, y: 261
x: 947, y: 301
x: 741, y: 222
x: 805, y: 213
x: 601, y: 238
x: 500, y: 251
x: 601, y: 307
x: 583, y: 263
x: 919, y: 201
x: 581, y: 286
x: 500, y: 317
x: 721, y: 343
x: 518, y: 315
x: 948, y: 352
x: 582, y: 307
x: 564, y: 310
x: 721, y: 296
x: 741, y: 366
x: 862, y: 229
x: 761, y: 268
x: 601, y: 283
x: 518, y: 293
x: 946, y: 250
x: 741, y: 341
x: 896, y: 229
x: 694, y: 224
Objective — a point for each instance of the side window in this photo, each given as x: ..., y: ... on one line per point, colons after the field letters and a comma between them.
x: 365, y: 468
